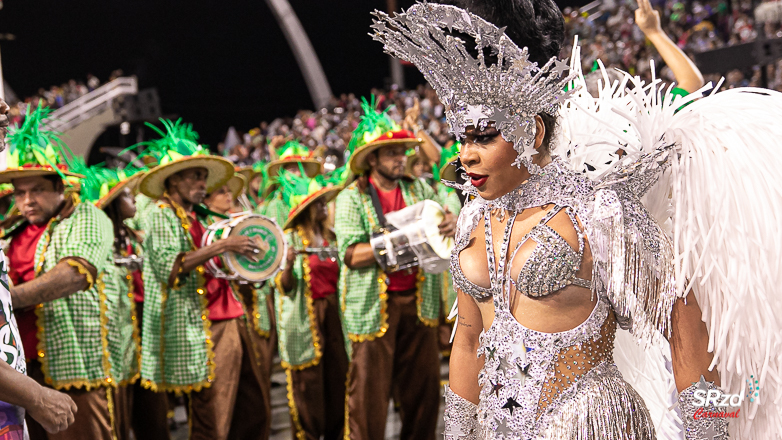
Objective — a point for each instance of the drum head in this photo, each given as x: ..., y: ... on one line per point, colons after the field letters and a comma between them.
x: 269, y: 238
x: 432, y: 215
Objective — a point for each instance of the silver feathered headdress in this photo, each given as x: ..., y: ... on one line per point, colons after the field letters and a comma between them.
x: 509, y: 92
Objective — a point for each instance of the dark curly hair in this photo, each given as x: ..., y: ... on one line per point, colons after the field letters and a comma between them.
x: 537, y: 25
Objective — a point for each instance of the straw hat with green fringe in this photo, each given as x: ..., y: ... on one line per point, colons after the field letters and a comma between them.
x: 301, y: 192
x: 102, y: 185
x: 177, y: 150
x: 446, y: 169
x: 375, y: 130
x: 37, y: 152
x: 293, y: 152
x: 236, y: 185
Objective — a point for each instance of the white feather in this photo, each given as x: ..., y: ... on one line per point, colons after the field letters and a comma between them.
x: 721, y: 201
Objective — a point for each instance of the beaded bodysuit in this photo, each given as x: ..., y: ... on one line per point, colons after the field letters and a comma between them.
x: 546, y: 385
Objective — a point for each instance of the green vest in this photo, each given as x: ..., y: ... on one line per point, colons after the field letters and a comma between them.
x: 363, y: 291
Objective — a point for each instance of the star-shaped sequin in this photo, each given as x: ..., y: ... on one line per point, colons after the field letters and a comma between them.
x: 560, y: 67
x: 522, y: 373
x: 496, y: 387
x: 474, y: 114
x: 503, y: 428
x: 498, y: 116
x: 504, y: 364
x: 455, y: 429
x: 510, y: 405
x: 520, y: 352
x: 702, y: 384
x: 711, y: 433
x: 379, y: 26
x: 491, y: 351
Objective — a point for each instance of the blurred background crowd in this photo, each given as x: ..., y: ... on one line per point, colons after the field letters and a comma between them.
x: 606, y: 30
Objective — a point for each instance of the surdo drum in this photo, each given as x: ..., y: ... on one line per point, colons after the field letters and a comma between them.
x: 269, y: 240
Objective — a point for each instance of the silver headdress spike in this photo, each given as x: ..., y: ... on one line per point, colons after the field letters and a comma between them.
x: 510, y: 92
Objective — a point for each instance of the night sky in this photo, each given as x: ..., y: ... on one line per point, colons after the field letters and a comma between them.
x: 216, y: 63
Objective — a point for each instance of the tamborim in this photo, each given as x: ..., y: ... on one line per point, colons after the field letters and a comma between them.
x: 268, y: 237
x: 412, y: 238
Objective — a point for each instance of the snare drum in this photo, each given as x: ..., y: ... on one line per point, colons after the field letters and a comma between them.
x: 268, y: 237
x: 413, y: 239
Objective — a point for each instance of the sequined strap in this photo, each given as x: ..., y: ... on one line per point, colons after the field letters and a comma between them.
x: 497, y: 275
x: 461, y: 417
x: 701, y: 420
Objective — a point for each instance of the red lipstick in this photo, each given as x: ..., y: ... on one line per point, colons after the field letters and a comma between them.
x: 478, y: 180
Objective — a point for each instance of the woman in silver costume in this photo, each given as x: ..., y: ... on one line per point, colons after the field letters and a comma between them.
x: 544, y: 269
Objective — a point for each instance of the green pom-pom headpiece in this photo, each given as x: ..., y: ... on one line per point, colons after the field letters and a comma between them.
x: 99, y: 181
x: 334, y: 178
x: 31, y: 146
x: 447, y: 156
x: 177, y: 141
x: 295, y: 189
x: 373, y: 124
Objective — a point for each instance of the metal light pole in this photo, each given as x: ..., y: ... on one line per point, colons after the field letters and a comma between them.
x: 4, y: 37
x: 397, y: 74
x: 302, y: 48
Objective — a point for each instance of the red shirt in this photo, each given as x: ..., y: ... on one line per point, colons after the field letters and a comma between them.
x: 323, y: 275
x: 138, y: 282
x: 221, y: 302
x: 21, y: 259
x: 391, y: 201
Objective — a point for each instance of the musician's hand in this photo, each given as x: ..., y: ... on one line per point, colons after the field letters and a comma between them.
x: 448, y: 225
x: 241, y: 245
x: 290, y: 257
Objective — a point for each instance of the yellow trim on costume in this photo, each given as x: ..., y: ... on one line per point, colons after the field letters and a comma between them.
x: 382, y: 280
x: 134, y: 375
x: 41, y: 332
x: 255, y: 315
x: 300, y: 435
x: 346, y: 429
x: 82, y: 270
x: 305, y: 265
x: 419, y: 282
x: 200, y: 283
x: 110, y: 407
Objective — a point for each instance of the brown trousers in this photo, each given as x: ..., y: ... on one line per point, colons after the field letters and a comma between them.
x: 141, y: 409
x: 403, y: 363
x: 236, y: 406
x: 318, y: 392
x: 93, y: 420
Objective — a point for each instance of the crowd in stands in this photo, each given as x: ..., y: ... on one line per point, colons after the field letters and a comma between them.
x: 606, y: 31
x: 57, y: 96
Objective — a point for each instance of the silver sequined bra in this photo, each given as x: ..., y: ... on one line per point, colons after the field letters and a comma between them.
x: 537, y: 385
x: 551, y: 266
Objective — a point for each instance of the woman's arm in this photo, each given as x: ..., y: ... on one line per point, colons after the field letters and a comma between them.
x: 690, y: 345
x: 465, y: 365
x: 687, y: 74
x: 691, y: 358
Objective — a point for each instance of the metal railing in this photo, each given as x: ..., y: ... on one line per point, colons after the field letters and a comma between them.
x: 91, y: 104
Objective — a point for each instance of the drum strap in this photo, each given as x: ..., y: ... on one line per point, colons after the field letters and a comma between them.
x: 381, y: 218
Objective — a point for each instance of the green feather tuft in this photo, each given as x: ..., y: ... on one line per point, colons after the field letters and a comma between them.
x: 373, y: 124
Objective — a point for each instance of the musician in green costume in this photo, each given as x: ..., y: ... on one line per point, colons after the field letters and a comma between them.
x: 387, y: 316
x: 195, y: 334
x: 447, y: 196
x: 59, y: 254
x: 312, y: 344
